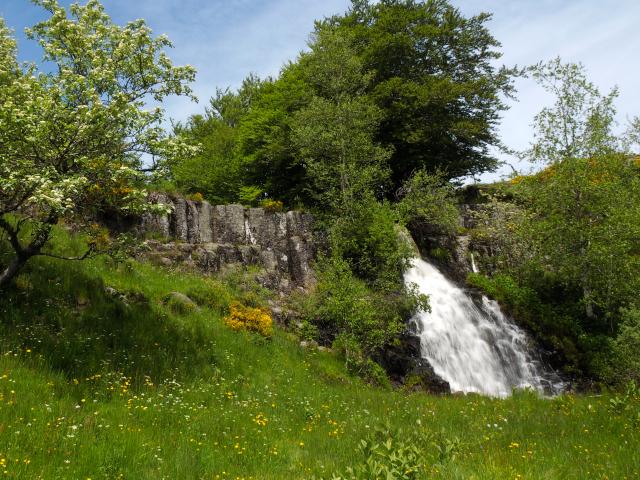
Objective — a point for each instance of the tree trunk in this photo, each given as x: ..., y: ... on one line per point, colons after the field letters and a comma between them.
x: 23, y: 254
x: 11, y: 271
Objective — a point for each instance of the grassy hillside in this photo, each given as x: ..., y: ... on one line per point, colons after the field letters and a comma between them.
x: 101, y: 379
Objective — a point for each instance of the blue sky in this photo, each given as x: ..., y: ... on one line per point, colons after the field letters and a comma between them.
x: 227, y: 39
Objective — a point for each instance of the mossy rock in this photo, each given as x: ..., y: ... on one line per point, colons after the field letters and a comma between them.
x: 180, y: 304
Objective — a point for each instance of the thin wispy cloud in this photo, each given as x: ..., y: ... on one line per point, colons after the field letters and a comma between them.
x: 227, y: 40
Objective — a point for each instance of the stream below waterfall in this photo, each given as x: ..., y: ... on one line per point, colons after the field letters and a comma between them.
x: 473, y: 345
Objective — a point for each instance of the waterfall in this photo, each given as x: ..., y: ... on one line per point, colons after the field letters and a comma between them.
x: 474, y: 268
x: 474, y: 347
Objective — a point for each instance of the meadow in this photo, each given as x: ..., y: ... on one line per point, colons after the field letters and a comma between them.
x: 102, y: 378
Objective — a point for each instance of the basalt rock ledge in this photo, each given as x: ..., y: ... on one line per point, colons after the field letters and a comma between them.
x: 215, y: 237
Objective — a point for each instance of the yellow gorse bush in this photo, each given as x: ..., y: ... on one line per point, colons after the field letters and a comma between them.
x: 272, y: 205
x: 251, y: 319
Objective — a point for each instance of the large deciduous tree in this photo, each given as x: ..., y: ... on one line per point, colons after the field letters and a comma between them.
x: 335, y: 133
x: 216, y: 171
x: 435, y: 81
x: 580, y: 122
x: 587, y: 201
x: 73, y: 138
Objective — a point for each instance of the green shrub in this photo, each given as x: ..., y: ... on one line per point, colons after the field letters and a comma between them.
x: 344, y: 304
x: 626, y: 347
x: 308, y: 331
x: 428, y: 200
x: 211, y: 294
x: 196, y: 197
x: 272, y: 205
x: 367, y: 239
x: 401, y: 455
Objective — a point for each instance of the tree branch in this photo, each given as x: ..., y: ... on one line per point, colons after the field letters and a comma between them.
x: 90, y: 252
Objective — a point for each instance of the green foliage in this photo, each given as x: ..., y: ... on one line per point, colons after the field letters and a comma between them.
x: 428, y: 200
x: 360, y: 319
x: 366, y: 237
x: 585, y: 228
x: 579, y: 125
x: 111, y: 375
x: 627, y: 402
x: 334, y: 133
x: 264, y: 137
x: 626, y: 347
x: 501, y: 230
x: 562, y: 245
x: 346, y: 305
x: 271, y: 205
x: 586, y: 204
x: 307, y: 331
x: 73, y: 138
x: 391, y: 453
x: 434, y: 78
x: 212, y: 294
x: 216, y: 170
x: 250, y: 195
x: 387, y: 456
x: 386, y: 89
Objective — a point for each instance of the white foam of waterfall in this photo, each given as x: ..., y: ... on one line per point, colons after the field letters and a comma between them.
x: 474, y: 346
x: 249, y: 233
x: 474, y: 268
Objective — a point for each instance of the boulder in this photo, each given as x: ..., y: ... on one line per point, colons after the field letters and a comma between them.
x: 180, y: 303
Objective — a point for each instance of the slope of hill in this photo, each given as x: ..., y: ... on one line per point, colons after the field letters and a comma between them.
x: 104, y: 374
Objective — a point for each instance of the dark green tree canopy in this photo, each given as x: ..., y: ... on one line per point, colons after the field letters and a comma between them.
x: 426, y: 74
x: 436, y: 80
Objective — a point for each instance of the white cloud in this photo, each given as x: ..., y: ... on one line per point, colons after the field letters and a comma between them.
x: 601, y: 35
x: 227, y: 39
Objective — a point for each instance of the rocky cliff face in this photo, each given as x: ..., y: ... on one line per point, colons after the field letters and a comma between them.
x: 450, y: 252
x: 212, y: 237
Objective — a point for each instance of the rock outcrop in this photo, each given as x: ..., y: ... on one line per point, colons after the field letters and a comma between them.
x: 212, y: 237
x: 405, y: 366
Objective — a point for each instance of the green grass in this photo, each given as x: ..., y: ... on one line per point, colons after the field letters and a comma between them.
x: 94, y: 387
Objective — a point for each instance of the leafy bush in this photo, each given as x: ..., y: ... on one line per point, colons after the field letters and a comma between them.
x: 196, y: 197
x: 344, y: 304
x: 357, y: 318
x: 627, y: 402
x: 250, y: 319
x: 367, y: 239
x: 357, y: 361
x: 272, y: 205
x: 211, y: 294
x: 307, y: 331
x: 626, y: 347
x: 401, y: 455
x: 427, y: 199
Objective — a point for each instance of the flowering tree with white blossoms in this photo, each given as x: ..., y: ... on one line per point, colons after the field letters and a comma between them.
x: 76, y: 139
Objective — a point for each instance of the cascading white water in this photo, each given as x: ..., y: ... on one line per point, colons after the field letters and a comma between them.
x: 474, y: 347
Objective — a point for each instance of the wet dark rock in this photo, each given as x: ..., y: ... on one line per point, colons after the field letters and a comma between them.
x: 404, y: 365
